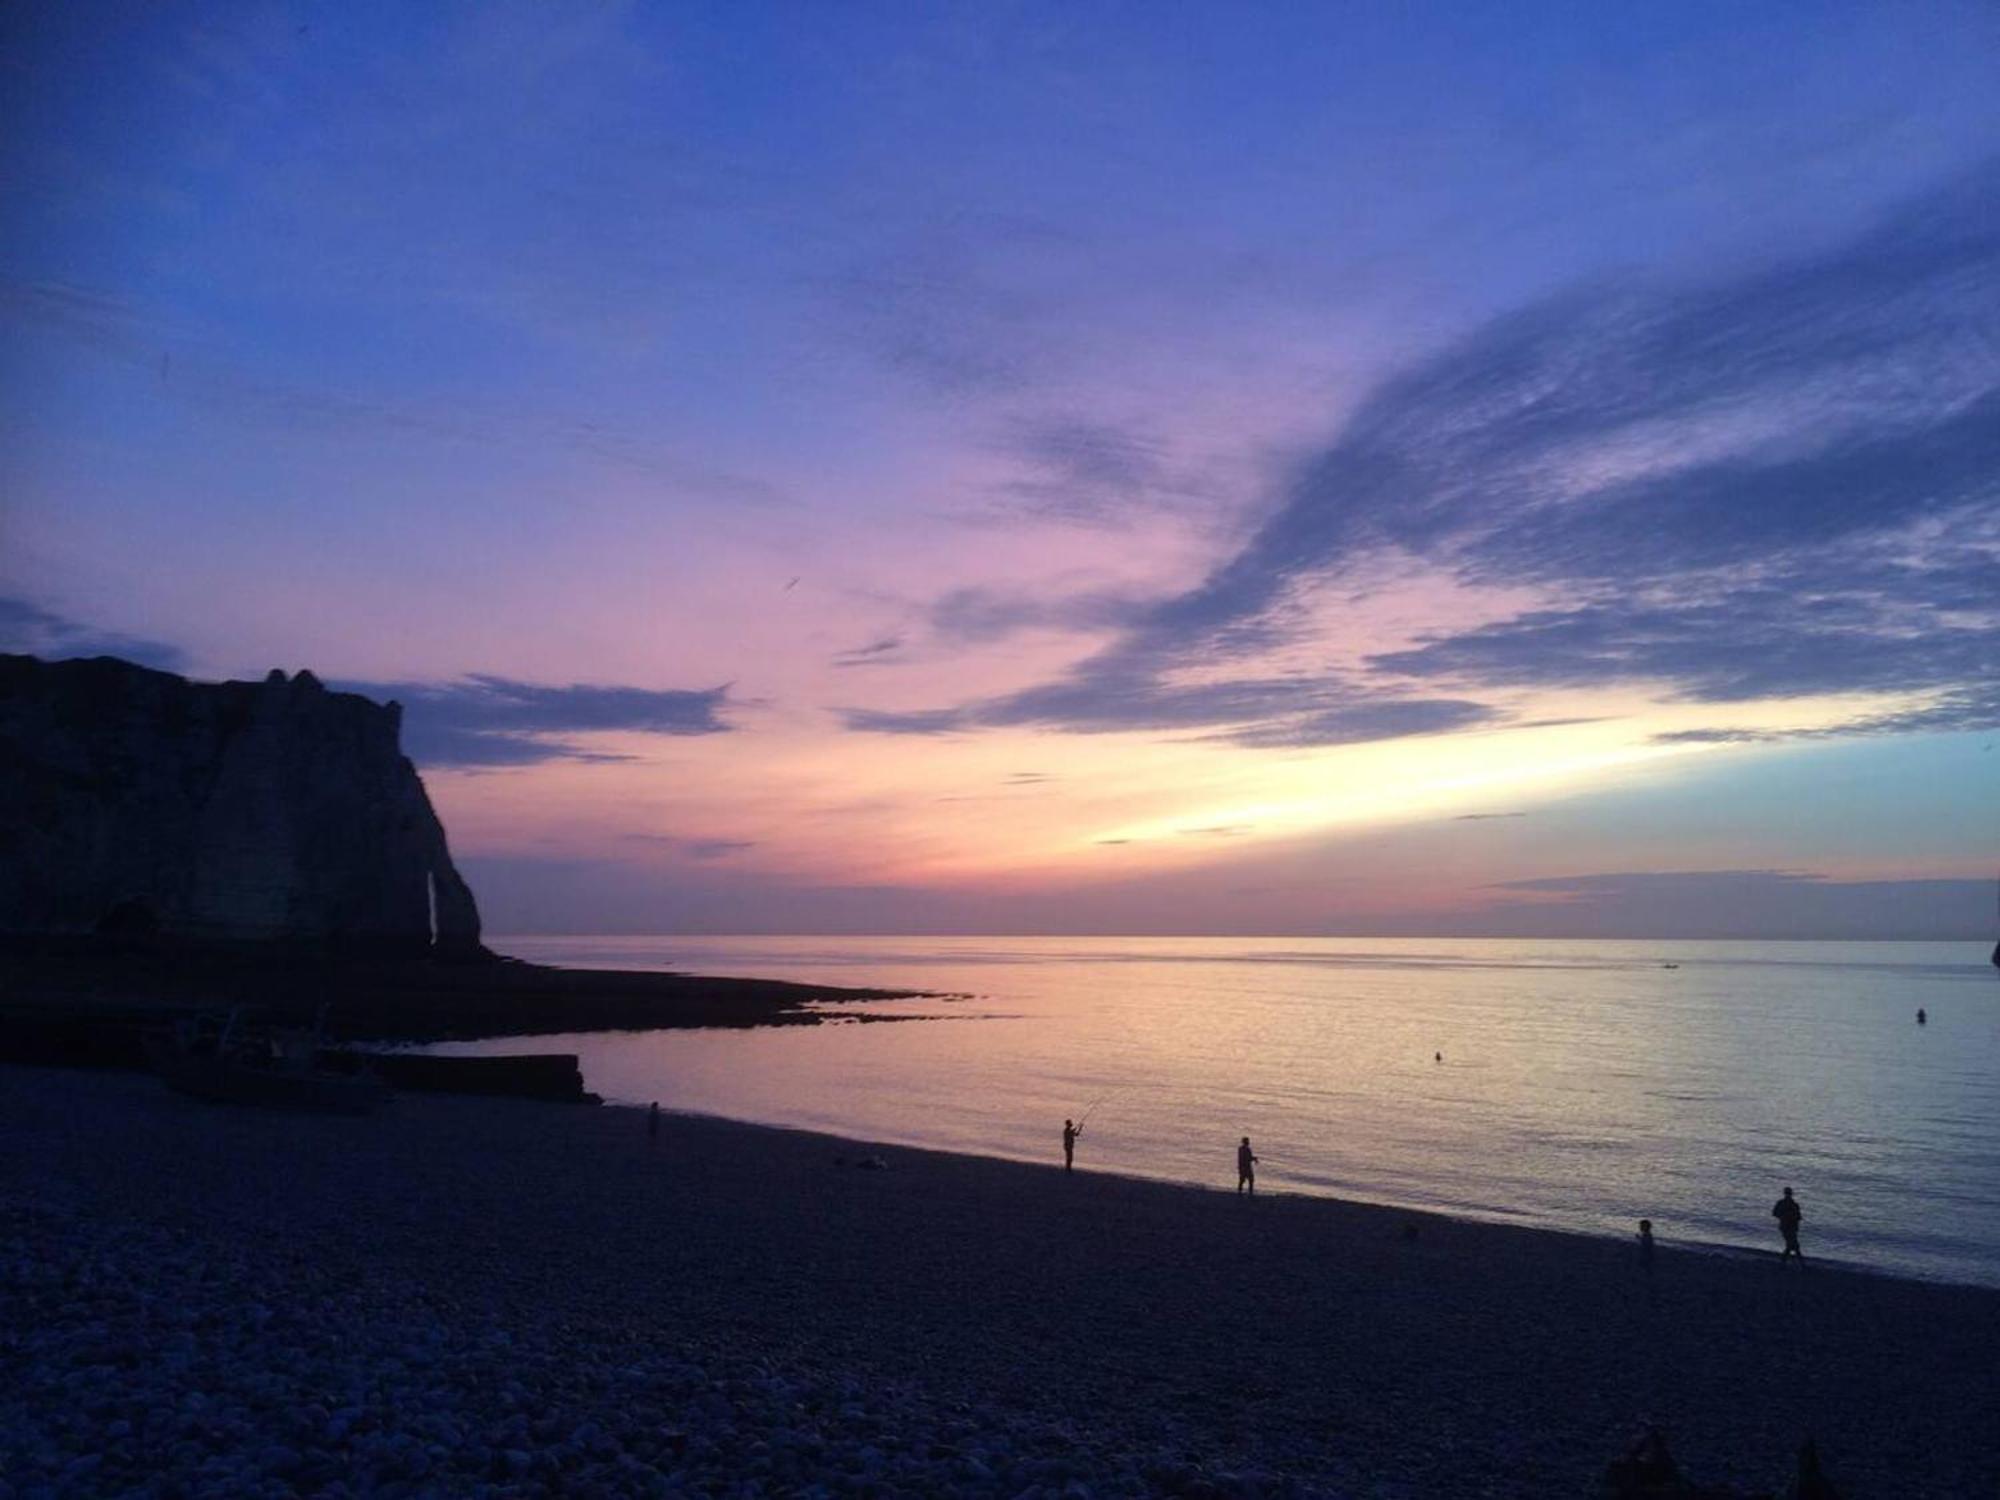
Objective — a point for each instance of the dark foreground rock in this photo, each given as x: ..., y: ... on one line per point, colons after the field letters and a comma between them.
x: 85, y: 1006
x: 468, y: 1297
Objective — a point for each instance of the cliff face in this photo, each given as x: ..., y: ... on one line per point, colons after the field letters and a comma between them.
x: 137, y: 802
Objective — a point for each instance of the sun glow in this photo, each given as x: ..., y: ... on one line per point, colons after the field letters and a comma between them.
x: 1418, y: 795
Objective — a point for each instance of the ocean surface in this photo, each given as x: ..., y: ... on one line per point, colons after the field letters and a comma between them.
x: 1583, y: 1085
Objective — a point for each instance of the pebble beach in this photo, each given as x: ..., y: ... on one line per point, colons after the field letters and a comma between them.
x: 490, y: 1297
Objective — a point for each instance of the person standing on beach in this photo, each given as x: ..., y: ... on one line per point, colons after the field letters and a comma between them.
x: 653, y: 1122
x: 1788, y: 1213
x: 1246, y: 1167
x: 1070, y: 1133
x: 1646, y: 1246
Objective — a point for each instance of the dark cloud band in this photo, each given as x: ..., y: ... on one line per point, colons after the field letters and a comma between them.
x: 1777, y: 484
x: 484, y: 721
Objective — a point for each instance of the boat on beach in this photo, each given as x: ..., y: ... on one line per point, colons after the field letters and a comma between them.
x: 230, y: 1061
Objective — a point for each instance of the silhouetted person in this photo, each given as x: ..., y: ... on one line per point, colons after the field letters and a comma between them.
x: 1810, y: 1483
x: 1646, y: 1246
x: 653, y: 1122
x: 1922, y: 1019
x: 1246, y: 1167
x: 1788, y: 1213
x: 1645, y: 1468
x: 1070, y: 1133
x: 1437, y: 1057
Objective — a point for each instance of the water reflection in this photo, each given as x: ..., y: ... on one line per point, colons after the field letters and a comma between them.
x: 1582, y: 1084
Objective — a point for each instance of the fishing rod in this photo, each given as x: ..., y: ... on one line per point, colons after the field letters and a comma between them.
x: 1112, y: 1094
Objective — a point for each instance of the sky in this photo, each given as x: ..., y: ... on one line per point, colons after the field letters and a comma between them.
x: 1073, y: 468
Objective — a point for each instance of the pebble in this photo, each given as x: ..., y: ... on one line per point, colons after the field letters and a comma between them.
x: 380, y: 1394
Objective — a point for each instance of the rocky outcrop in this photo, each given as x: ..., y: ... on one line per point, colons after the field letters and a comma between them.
x: 136, y: 803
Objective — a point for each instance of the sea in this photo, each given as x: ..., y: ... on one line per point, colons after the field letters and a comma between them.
x: 1576, y: 1085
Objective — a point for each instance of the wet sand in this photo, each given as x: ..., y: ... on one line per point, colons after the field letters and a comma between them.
x: 943, y: 1324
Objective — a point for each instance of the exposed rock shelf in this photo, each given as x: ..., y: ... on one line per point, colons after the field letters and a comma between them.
x: 87, y: 1006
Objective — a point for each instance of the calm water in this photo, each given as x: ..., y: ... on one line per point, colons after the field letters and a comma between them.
x: 1584, y: 1084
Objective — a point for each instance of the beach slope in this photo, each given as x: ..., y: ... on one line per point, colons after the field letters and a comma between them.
x: 460, y: 1293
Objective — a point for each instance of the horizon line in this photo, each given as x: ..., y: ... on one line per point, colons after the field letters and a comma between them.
x: 1466, y: 937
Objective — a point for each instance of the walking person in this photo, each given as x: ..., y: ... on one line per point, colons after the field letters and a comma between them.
x: 1246, y: 1167
x: 1070, y: 1133
x: 1788, y: 1213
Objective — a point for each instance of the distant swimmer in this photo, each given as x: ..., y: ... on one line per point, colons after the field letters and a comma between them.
x: 1070, y: 1133
x: 1246, y: 1167
x: 1922, y: 1019
x: 1788, y: 1213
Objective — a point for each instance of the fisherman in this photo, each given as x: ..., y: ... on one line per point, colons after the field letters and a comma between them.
x: 1070, y: 1133
x: 1646, y: 1246
x: 1246, y: 1167
x: 1788, y: 1213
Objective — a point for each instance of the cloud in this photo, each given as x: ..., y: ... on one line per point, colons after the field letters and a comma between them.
x: 1360, y: 722
x: 694, y: 848
x: 34, y: 631
x: 1779, y: 483
x: 977, y: 615
x: 1080, y: 470
x: 717, y: 848
x: 935, y: 314
x: 874, y: 654
x: 1745, y: 903
x: 484, y: 721
x: 1957, y: 711
x: 1637, y: 433
x: 1485, y: 817
x: 983, y: 305
x: 1086, y: 472
x: 1268, y: 712
x: 889, y: 721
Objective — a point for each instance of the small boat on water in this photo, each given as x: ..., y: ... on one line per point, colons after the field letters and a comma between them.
x: 229, y: 1061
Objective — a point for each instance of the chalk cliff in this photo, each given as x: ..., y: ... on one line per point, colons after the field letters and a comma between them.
x: 135, y: 802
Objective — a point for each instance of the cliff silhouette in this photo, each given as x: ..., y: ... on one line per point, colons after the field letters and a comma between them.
x: 169, y: 846
x: 137, y: 805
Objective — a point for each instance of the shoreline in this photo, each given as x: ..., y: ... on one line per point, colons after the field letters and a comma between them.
x: 1720, y: 1249
x: 944, y: 1322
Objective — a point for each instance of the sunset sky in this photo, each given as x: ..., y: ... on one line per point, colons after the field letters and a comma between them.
x: 1052, y: 468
